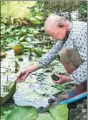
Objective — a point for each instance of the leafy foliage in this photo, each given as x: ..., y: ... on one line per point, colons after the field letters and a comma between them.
x: 6, y: 110
x: 28, y: 31
x: 44, y: 116
x: 11, y: 8
x: 60, y: 6
x: 25, y: 113
x: 13, y: 112
x: 59, y: 112
x: 16, y: 30
x: 83, y: 11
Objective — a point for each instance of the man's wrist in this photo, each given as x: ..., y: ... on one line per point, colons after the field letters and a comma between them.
x: 33, y: 68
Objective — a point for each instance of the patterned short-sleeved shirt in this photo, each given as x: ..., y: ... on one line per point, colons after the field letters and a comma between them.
x: 77, y: 40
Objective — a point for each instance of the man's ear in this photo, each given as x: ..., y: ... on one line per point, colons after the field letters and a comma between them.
x: 68, y: 26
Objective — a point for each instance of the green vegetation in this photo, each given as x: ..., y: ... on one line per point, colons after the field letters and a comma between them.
x: 13, y: 112
x: 83, y: 11
x: 12, y: 8
x: 30, y: 27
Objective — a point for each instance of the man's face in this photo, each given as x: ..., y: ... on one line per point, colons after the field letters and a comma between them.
x: 57, y: 32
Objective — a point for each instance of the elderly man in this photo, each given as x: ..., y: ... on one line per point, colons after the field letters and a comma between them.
x: 71, y: 46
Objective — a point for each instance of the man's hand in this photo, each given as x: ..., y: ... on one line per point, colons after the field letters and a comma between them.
x: 62, y: 79
x: 23, y: 75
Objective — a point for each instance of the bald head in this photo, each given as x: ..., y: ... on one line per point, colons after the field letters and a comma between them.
x: 58, y: 27
x: 55, y: 20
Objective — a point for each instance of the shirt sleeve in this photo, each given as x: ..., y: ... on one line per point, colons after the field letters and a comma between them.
x: 80, y: 74
x: 51, y: 55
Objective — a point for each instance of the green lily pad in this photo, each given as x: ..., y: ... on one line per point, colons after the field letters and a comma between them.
x: 6, y: 110
x: 44, y: 116
x: 22, y: 113
x: 59, y: 112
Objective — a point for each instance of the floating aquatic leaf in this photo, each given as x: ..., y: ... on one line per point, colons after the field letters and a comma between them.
x: 6, y: 110
x: 22, y: 113
x: 44, y: 116
x: 59, y: 112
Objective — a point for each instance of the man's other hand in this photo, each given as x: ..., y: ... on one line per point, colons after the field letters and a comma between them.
x: 62, y: 79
